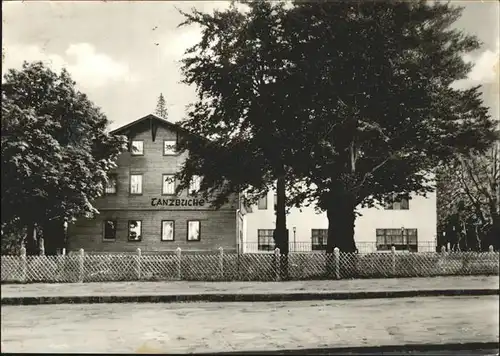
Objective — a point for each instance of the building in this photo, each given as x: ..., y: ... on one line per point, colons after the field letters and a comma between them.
x: 409, y: 225
x: 140, y: 208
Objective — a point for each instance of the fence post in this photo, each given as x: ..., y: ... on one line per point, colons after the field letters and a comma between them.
x: 221, y: 261
x: 336, y: 261
x: 81, y: 261
x: 393, y: 255
x: 277, y: 265
x: 442, y: 261
x: 138, y: 258
x: 178, y: 253
x: 42, y: 247
x: 24, y: 265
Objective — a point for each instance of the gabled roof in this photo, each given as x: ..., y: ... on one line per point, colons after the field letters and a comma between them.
x: 151, y: 117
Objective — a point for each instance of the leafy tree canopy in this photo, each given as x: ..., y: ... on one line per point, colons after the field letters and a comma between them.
x: 384, y: 113
x: 55, y: 148
x: 380, y: 88
x: 352, y: 99
x: 235, y: 68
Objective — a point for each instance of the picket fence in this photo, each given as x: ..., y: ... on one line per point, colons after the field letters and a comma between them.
x: 221, y: 265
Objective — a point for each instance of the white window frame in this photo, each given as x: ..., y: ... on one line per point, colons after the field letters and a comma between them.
x: 267, y: 236
x: 139, y: 192
x: 402, y: 239
x: 104, y: 238
x: 262, y: 203
x: 168, y: 188
x: 167, y: 150
x: 399, y: 204
x: 165, y: 223
x: 319, y: 235
x: 139, y: 152
x: 190, y: 225
x: 194, y: 184
x: 112, y: 178
x: 139, y: 223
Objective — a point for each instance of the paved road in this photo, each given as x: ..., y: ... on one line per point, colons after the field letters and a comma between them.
x: 216, y: 327
x: 184, y: 287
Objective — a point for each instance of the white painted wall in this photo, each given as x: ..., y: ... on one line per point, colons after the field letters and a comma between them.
x: 421, y: 216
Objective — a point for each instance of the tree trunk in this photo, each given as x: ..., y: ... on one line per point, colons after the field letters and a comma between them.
x: 31, y: 242
x: 477, y: 235
x: 341, y: 218
x: 281, y: 232
x: 493, y: 235
x: 53, y: 235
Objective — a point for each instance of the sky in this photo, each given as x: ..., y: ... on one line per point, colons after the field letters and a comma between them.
x: 124, y: 54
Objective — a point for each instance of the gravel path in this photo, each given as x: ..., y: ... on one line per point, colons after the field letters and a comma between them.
x: 176, y: 288
x: 212, y: 327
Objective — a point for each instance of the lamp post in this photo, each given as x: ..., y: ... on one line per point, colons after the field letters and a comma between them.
x: 455, y: 237
x: 294, y: 231
x: 65, y: 236
x: 403, y: 237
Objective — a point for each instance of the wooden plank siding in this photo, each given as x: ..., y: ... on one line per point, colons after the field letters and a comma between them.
x: 218, y: 227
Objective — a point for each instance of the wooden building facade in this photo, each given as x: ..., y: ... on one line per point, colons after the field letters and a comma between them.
x: 140, y: 207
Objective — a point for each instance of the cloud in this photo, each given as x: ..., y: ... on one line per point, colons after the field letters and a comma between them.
x: 175, y: 47
x: 95, y: 68
x: 87, y: 67
x: 485, y: 69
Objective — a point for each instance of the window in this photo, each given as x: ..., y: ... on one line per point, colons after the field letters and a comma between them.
x: 134, y: 230
x: 193, y: 230
x: 169, y: 147
x: 167, y: 230
x: 136, y: 184
x: 265, y: 240
x: 194, y: 185
x: 318, y: 239
x: 275, y: 204
x: 109, y: 230
x: 137, y: 148
x: 262, y: 205
x: 401, y: 204
x: 111, y: 184
x: 168, y: 184
x: 401, y: 239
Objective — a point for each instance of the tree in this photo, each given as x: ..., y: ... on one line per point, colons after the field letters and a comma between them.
x: 237, y: 68
x: 469, y: 200
x: 161, y: 107
x: 376, y: 99
x: 55, y: 151
x: 351, y: 99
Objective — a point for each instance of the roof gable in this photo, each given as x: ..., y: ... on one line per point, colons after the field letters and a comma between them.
x: 153, y: 120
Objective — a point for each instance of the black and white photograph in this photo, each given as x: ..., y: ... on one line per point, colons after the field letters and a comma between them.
x: 251, y: 177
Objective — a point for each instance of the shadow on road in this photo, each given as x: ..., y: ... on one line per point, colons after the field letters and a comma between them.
x: 484, y: 348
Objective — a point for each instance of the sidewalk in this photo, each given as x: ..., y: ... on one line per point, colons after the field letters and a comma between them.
x: 114, y: 292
